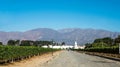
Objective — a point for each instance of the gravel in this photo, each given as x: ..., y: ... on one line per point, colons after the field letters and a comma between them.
x: 75, y: 59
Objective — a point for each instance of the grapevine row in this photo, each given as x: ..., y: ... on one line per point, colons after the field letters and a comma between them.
x: 11, y: 53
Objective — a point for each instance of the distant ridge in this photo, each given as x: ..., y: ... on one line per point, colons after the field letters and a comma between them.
x: 68, y: 35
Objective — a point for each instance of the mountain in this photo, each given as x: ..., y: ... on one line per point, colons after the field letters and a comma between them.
x: 64, y: 35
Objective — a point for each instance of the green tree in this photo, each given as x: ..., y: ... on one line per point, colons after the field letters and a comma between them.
x: 11, y: 42
x: 63, y: 43
x: 27, y: 43
x: 88, y: 45
x: 101, y: 44
x: 117, y: 40
x: 17, y: 42
x: 97, y: 40
x: 1, y: 43
x: 108, y: 41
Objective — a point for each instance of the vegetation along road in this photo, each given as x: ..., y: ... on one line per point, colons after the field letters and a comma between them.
x: 74, y: 59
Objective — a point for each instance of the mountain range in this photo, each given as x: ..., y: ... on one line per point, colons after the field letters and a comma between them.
x: 69, y: 35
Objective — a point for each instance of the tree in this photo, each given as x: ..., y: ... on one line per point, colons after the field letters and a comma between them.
x: 36, y: 43
x: 63, y: 43
x: 11, y: 42
x: 97, y: 40
x: 101, y: 44
x: 117, y: 40
x: 27, y: 43
x: 17, y: 42
x: 88, y: 45
x: 1, y: 43
x: 42, y: 43
x: 108, y: 41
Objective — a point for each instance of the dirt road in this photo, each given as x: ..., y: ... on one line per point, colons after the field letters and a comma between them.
x: 74, y: 59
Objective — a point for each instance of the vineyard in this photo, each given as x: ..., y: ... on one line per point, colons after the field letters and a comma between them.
x: 112, y: 50
x: 14, y: 53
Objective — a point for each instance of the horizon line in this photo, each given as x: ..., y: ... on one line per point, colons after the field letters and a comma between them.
x: 58, y: 29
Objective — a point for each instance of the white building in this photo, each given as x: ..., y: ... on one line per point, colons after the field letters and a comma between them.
x: 59, y: 47
x: 65, y: 46
x: 76, y: 46
x: 81, y: 47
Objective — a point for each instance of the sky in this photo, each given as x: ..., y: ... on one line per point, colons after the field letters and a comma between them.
x: 23, y: 15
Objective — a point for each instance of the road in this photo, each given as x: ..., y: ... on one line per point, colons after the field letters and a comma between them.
x: 75, y: 59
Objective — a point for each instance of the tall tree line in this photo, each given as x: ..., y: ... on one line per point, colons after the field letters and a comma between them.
x: 104, y: 42
x: 28, y: 43
x: 32, y: 43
